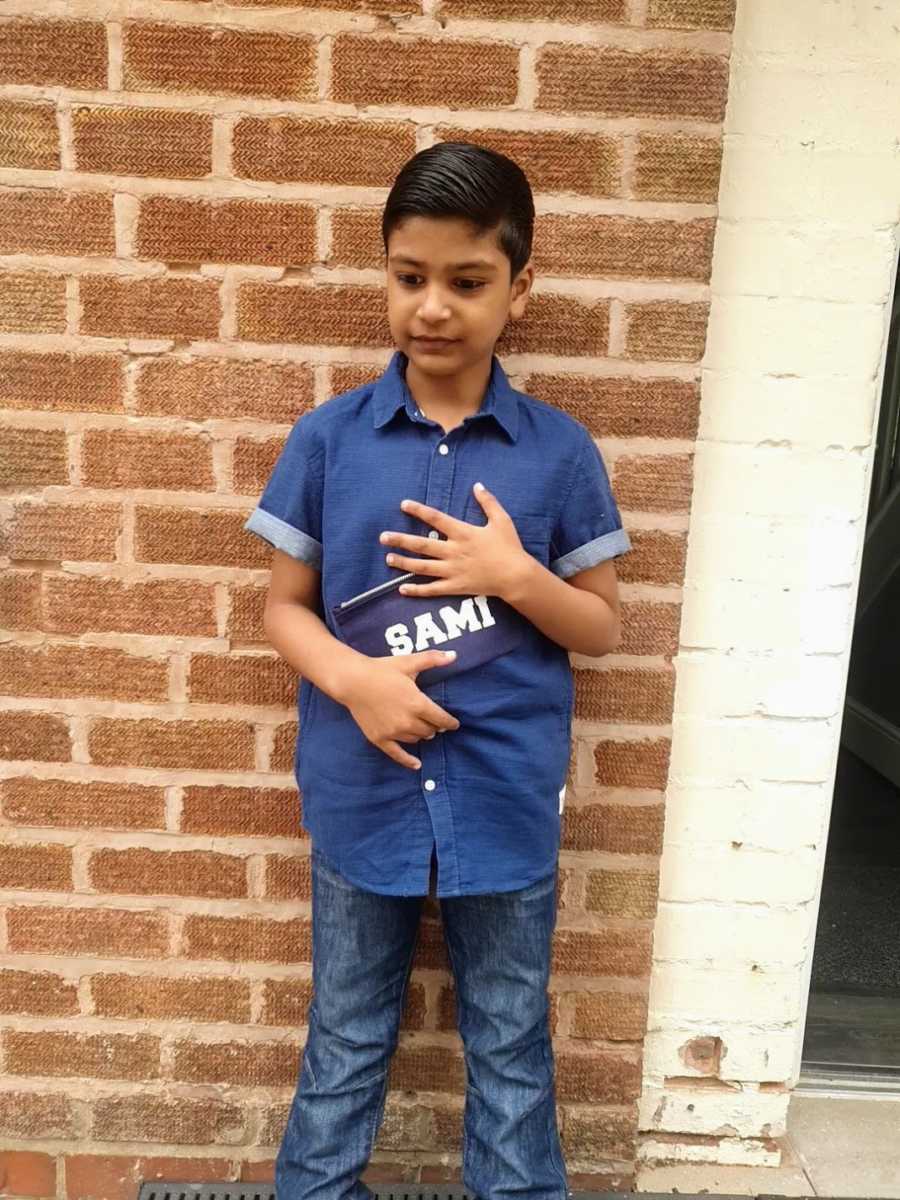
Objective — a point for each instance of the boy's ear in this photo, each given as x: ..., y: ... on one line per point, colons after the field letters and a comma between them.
x: 520, y: 290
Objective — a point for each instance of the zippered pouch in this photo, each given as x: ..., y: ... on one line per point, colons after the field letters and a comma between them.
x: 381, y: 621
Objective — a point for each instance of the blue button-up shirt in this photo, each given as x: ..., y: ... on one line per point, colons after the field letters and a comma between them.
x: 488, y: 797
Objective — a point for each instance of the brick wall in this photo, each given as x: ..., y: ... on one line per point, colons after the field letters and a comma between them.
x: 189, y: 221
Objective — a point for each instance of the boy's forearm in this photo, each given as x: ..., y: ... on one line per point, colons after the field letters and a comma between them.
x: 305, y: 642
x: 573, y: 617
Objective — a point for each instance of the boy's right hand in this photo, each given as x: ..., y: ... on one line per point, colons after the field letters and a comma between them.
x: 389, y: 708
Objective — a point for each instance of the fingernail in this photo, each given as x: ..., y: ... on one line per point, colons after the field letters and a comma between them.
x: 479, y: 487
x: 418, y: 765
x: 450, y: 653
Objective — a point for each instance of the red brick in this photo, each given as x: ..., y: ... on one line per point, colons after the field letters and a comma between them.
x: 184, y: 229
x: 138, y: 1117
x: 86, y: 603
x: 32, y: 302
x: 67, y: 804
x: 246, y: 614
x: 627, y: 83
x: 122, y: 140
x: 656, y: 557
x: 231, y: 1063
x: 198, y: 998
x: 288, y: 877
x: 172, y: 57
x: 635, y: 247
x: 692, y: 14
x: 62, y: 52
x: 88, y: 931
x: 655, y: 482
x: 30, y: 135
x: 27, y: 1173
x: 214, y: 537
x: 81, y: 671
x: 61, y: 381
x: 601, y: 1134
x: 204, y: 388
x: 183, y: 745
x: 329, y: 314
x: 244, y: 679
x: 677, y: 166
x: 344, y: 377
x: 368, y: 70
x: 53, y: 221
x: 37, y: 736
x: 117, y: 458
x: 554, y: 161
x: 353, y: 153
x: 34, y: 1115
x: 97, y: 1056
x: 248, y: 939
x: 356, y: 238
x: 113, y: 306
x: 624, y: 952
x: 20, y: 599
x: 601, y: 1077
x: 640, y: 694
x: 253, y: 463
x: 33, y: 457
x: 622, y: 893
x: 666, y: 330
x: 610, y: 1016
x: 143, y: 872
x: 565, y: 325
x: 650, y: 628
x: 119, y: 1176
x: 621, y: 405
x: 641, y: 763
x: 571, y: 11
x: 36, y: 868
x: 614, y: 828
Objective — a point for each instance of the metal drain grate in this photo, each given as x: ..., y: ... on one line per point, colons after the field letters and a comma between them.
x: 163, y: 1190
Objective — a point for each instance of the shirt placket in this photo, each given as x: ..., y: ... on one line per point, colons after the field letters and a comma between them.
x: 432, y: 752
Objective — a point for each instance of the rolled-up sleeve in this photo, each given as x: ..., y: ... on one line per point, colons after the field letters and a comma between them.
x: 289, y: 513
x: 589, y: 528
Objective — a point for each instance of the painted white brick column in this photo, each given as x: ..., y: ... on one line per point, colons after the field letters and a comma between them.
x: 805, y: 253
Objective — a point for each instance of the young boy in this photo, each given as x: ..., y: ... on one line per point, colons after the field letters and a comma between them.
x: 499, y: 508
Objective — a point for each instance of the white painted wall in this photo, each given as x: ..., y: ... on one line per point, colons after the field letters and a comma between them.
x: 803, y: 272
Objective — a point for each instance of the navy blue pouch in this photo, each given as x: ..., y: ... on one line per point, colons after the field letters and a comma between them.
x: 381, y: 621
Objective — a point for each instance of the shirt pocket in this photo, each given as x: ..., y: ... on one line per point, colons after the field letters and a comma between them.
x: 533, y: 528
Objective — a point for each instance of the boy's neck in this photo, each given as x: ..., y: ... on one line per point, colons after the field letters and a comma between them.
x: 449, y: 399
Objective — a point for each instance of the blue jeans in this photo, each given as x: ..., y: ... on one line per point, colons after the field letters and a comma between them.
x: 363, y: 945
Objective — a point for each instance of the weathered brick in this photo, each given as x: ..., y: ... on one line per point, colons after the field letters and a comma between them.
x: 641, y: 694
x: 329, y: 314
x: 68, y: 804
x: 96, y: 1056
x: 81, y: 671
x: 344, y: 377
x: 113, y: 306
x: 368, y: 70
x: 30, y: 135
x: 37, y: 1115
x: 554, y: 161
x: 36, y: 868
x: 677, y: 166
x: 655, y: 482
x: 221, y: 811
x: 656, y: 557
x: 37, y: 994
x: 630, y: 246
x: 692, y: 14
x: 286, y: 1001
x: 186, y: 745
x: 184, y: 229
x: 623, y: 952
x: 601, y: 1077
x: 244, y: 1064
x: 571, y: 11
x: 144, y: 872
x: 84, y: 932
x: 214, y: 537
x: 32, y: 302
x: 600, y: 1134
x: 564, y: 325
x: 666, y: 330
x: 414, y: 1068
x: 198, y: 998
x: 64, y: 52
x: 614, y: 828
x: 642, y: 763
x: 63, y: 532
x: 248, y: 939
x: 201, y: 389
x: 244, y: 679
x: 33, y: 457
x: 356, y: 238
x: 283, y: 747
x: 118, y: 458
x: 53, y: 221
x: 288, y: 877
x: 354, y: 153
x: 86, y: 603
x: 610, y: 1016
x: 173, y: 57
x: 124, y: 140
x: 246, y: 614
x: 253, y: 463
x: 36, y: 736
x: 622, y: 893
x: 628, y: 83
x: 139, y: 1117
x: 61, y: 381
x: 20, y: 599
x: 621, y: 405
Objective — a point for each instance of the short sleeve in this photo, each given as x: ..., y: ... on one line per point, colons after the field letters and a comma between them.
x: 588, y: 529
x: 289, y: 512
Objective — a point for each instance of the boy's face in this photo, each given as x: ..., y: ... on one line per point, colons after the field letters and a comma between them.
x: 444, y: 281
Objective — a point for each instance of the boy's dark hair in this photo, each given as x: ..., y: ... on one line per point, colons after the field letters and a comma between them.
x: 460, y: 179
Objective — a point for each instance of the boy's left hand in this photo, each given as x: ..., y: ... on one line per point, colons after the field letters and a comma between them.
x: 469, y: 559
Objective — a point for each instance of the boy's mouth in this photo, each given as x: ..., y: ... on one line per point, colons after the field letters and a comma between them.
x: 434, y: 343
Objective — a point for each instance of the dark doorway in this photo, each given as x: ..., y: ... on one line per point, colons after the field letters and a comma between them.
x: 853, y: 1020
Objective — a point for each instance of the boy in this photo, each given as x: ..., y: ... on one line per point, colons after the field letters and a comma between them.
x: 484, y: 497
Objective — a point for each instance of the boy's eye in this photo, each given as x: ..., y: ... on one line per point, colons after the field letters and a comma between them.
x: 466, y: 285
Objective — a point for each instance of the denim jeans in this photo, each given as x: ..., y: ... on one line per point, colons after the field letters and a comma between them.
x: 363, y: 945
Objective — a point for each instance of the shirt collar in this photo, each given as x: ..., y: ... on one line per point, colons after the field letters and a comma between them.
x: 500, y: 400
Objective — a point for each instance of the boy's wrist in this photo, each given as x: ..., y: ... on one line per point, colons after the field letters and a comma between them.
x: 521, y: 579
x: 343, y: 673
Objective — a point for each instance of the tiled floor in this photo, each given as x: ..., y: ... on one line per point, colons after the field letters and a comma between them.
x: 837, y: 1146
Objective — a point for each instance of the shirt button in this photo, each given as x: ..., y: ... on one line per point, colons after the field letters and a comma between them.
x: 434, y: 534
x: 430, y: 785
x: 443, y: 448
